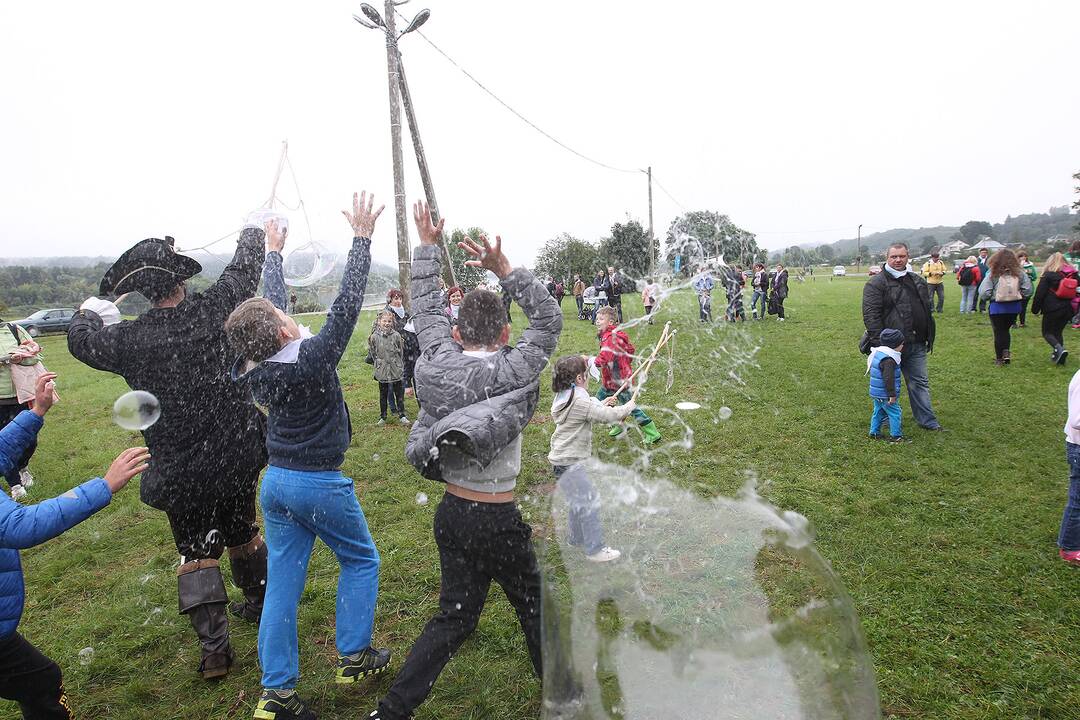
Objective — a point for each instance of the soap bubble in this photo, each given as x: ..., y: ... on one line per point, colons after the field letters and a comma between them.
x: 724, y: 413
x: 136, y: 410
x: 86, y: 655
x: 421, y: 498
x: 308, y: 264
x: 687, y: 405
x: 719, y: 609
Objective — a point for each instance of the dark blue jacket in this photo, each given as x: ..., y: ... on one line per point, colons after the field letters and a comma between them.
x: 308, y: 425
x: 24, y: 526
x: 878, y: 379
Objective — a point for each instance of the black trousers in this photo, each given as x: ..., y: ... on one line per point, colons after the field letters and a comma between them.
x: 203, y: 528
x: 478, y: 543
x: 31, y: 679
x: 939, y: 290
x: 7, y: 414
x: 392, y: 394
x: 616, y: 302
x: 1053, y: 325
x: 1023, y: 310
x: 1002, y: 324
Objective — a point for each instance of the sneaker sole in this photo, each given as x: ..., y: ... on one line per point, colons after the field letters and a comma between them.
x: 350, y: 679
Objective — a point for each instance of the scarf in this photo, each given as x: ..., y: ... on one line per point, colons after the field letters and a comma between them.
x: 291, y: 351
x: 891, y: 352
x: 895, y: 273
x: 400, y: 311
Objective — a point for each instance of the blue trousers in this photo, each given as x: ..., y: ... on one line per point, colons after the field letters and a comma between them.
x: 1069, y: 536
x: 883, y: 409
x: 917, y: 378
x: 298, y: 507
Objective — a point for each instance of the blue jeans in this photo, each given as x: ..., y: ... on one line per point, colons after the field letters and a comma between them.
x: 914, y: 367
x: 764, y: 296
x: 297, y: 507
x: 882, y: 409
x: 1069, y: 537
x: 967, y: 298
x: 584, y: 520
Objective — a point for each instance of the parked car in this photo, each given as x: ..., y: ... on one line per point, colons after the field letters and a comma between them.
x: 839, y: 271
x: 874, y: 270
x: 43, y: 321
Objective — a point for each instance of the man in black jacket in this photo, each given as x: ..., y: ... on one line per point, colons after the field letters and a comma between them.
x: 898, y: 298
x: 617, y: 288
x: 208, y: 446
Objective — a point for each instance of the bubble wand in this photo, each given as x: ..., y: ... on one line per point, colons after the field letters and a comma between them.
x: 665, y: 336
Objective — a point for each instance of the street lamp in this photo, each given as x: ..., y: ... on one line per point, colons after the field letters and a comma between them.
x: 374, y: 21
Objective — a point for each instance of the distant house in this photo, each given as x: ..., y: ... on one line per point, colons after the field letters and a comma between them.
x: 953, y: 247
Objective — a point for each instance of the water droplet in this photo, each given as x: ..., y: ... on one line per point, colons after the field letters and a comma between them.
x: 421, y: 498
x: 136, y: 410
x: 86, y: 655
x: 375, y: 456
x: 457, y: 606
x: 724, y: 413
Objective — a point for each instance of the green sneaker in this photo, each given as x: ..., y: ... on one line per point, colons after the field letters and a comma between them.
x: 616, y: 430
x: 369, y: 661
x: 282, y: 705
x: 652, y: 435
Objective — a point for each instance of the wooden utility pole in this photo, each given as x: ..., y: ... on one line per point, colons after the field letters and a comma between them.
x: 652, y: 238
x: 393, y: 77
x: 425, y: 174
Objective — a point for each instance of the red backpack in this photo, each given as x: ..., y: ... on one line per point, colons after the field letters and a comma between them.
x: 1066, y: 289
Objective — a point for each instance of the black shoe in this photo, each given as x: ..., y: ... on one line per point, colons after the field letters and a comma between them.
x: 1061, y: 356
x: 245, y: 611
x: 274, y: 705
x: 896, y: 439
x: 876, y: 436
x: 369, y: 661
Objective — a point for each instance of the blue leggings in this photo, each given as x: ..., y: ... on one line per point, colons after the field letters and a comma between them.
x: 883, y: 409
x: 297, y: 507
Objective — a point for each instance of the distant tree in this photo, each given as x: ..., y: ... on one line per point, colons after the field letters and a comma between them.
x: 926, y: 244
x: 627, y: 248
x: 467, y: 277
x: 564, y: 255
x: 827, y: 253
x: 794, y: 256
x: 972, y: 229
x: 703, y: 235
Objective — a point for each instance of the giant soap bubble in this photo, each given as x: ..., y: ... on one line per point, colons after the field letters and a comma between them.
x: 719, y: 609
x: 136, y: 410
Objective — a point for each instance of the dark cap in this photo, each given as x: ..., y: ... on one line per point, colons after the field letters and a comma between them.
x: 892, y: 338
x: 150, y: 266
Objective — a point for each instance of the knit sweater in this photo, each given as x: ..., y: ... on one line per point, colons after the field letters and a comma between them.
x: 574, y: 412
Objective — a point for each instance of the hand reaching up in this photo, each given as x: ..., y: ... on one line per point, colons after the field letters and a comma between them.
x: 127, y: 465
x: 275, y: 235
x: 429, y: 232
x: 487, y: 256
x: 362, y: 219
x: 44, y: 394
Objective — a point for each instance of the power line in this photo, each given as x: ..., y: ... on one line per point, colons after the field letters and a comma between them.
x: 668, y: 194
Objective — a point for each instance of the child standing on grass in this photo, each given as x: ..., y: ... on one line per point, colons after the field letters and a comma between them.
x: 304, y: 494
x: 574, y: 412
x: 883, y: 366
x: 26, y: 675
x: 387, y: 349
x: 614, y: 363
x: 478, y: 395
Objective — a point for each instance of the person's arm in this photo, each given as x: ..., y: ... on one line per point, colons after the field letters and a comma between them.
x: 888, y: 377
x: 599, y: 412
x: 926, y: 270
x: 334, y: 336
x: 1025, y: 286
x: 986, y: 287
x: 16, y: 436
x: 273, y: 273
x: 430, y: 320
x: 240, y: 278
x: 95, y: 344
x: 873, y: 309
x: 27, y: 344
x: 1040, y: 296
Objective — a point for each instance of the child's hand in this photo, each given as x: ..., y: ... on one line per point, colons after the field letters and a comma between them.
x: 429, y: 232
x: 127, y: 465
x: 486, y: 256
x: 362, y: 219
x: 43, y: 394
x: 611, y: 400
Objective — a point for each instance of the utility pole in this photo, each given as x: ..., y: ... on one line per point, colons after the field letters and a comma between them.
x: 858, y: 251
x: 652, y: 238
x: 404, y: 257
x: 425, y: 174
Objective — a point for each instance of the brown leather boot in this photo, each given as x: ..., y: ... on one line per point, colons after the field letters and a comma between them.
x: 201, y: 592
x: 248, y: 563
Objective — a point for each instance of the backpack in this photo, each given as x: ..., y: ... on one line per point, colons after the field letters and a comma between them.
x: 967, y: 275
x: 1007, y: 289
x: 1066, y: 289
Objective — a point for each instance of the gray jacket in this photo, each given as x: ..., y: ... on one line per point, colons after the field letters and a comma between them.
x: 474, y: 407
x: 387, y: 352
x: 988, y: 286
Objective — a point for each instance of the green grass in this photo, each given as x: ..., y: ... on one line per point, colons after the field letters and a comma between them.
x: 946, y: 545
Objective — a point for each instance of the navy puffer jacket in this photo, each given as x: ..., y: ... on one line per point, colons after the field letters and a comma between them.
x: 24, y: 526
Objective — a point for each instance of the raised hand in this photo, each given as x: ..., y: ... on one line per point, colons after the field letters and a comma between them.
x: 275, y: 236
x: 362, y: 219
x: 487, y: 256
x: 44, y: 395
x: 127, y: 465
x: 429, y: 232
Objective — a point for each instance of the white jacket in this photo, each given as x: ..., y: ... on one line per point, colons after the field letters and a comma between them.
x: 574, y: 412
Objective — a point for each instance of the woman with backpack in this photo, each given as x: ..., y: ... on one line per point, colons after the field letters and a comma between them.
x: 1055, y: 301
x: 968, y: 277
x: 1005, y: 286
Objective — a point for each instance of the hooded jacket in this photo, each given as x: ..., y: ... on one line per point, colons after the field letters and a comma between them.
x: 574, y: 412
x: 388, y: 354
x: 210, y: 438
x: 474, y: 406
x: 889, y: 302
x: 616, y: 351
x: 24, y: 526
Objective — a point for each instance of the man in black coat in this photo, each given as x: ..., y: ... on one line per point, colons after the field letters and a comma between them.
x: 208, y: 446
x: 898, y: 298
x: 617, y: 288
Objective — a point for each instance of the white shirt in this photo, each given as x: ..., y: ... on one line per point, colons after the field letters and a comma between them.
x: 1072, y: 425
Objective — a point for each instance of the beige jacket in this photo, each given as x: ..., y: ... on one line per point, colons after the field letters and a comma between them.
x: 572, y: 440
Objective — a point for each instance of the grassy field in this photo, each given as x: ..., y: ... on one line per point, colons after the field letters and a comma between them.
x: 946, y: 545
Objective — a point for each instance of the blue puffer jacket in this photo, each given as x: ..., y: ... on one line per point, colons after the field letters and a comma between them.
x: 877, y: 380
x: 26, y: 526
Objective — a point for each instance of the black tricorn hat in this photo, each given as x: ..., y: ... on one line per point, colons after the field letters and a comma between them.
x: 150, y: 265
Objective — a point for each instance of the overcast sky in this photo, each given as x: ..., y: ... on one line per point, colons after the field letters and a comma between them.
x: 128, y: 120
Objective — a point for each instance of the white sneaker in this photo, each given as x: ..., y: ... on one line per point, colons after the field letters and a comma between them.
x: 404, y: 420
x: 604, y: 554
x: 18, y: 492
x: 381, y: 422
x: 25, y: 478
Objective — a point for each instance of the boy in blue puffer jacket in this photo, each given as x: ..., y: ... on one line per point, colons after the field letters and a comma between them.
x: 26, y: 675
x: 883, y: 367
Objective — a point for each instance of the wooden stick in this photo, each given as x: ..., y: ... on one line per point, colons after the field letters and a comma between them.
x: 664, y: 337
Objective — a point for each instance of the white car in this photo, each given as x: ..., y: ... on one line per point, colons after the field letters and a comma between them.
x: 839, y: 271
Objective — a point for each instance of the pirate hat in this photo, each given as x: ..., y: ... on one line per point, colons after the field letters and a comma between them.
x: 149, y: 265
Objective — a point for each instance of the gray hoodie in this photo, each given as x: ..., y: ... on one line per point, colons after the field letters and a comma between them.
x: 474, y: 406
